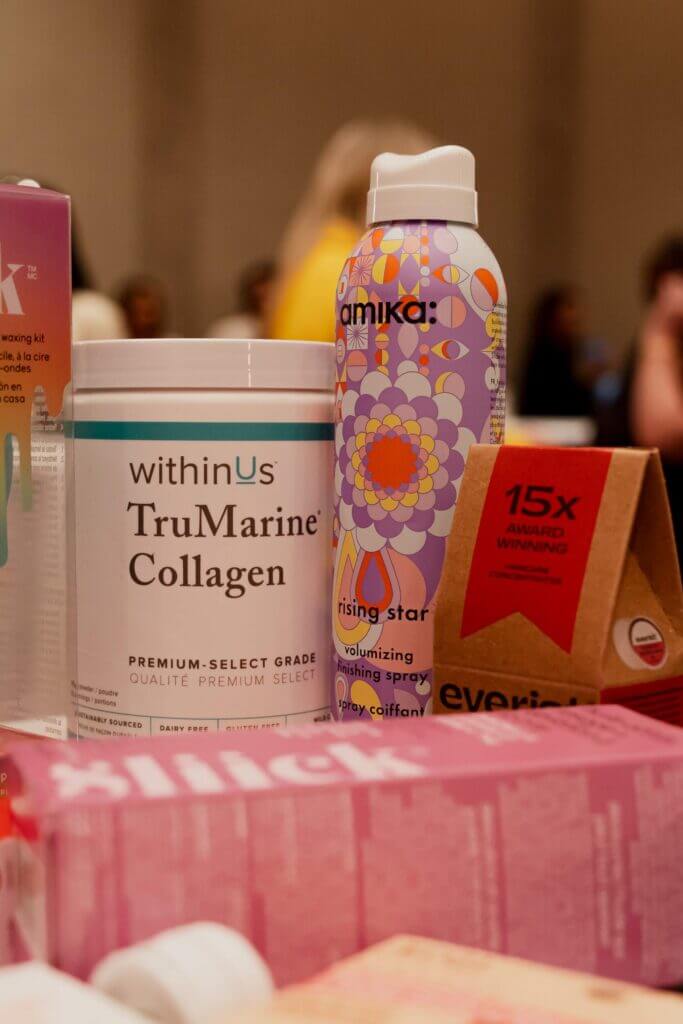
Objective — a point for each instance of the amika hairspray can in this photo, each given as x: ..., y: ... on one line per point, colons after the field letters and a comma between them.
x: 421, y: 320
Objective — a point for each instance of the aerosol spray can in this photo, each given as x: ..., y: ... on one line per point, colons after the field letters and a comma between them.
x: 420, y: 338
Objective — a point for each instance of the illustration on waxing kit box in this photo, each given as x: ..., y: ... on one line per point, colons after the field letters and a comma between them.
x: 553, y: 835
x: 561, y: 585
x: 35, y: 369
x: 409, y: 980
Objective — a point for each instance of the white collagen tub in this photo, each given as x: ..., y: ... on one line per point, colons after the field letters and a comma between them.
x: 202, y: 506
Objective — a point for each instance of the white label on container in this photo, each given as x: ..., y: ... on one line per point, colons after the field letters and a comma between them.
x: 203, y: 572
x: 640, y: 644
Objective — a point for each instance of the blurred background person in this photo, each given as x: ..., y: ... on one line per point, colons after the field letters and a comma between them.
x: 143, y: 301
x: 328, y: 222
x: 563, y: 365
x: 94, y: 315
x: 249, y: 321
x: 656, y: 391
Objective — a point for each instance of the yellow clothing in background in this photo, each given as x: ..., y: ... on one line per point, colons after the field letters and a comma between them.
x: 305, y: 307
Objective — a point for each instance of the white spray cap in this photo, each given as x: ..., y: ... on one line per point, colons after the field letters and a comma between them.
x: 186, y: 975
x: 436, y: 185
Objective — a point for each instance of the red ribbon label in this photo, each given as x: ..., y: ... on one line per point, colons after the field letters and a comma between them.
x: 659, y: 698
x: 534, y: 537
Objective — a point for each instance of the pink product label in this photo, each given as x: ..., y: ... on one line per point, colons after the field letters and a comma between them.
x: 421, y: 316
x: 545, y: 834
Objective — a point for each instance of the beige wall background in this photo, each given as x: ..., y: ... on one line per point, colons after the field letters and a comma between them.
x: 69, y: 82
x: 185, y: 129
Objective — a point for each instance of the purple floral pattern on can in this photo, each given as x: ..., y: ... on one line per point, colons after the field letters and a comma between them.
x: 421, y: 314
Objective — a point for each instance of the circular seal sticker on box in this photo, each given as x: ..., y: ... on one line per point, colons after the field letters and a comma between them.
x: 639, y: 643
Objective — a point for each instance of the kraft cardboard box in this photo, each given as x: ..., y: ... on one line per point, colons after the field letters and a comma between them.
x: 561, y: 585
x: 409, y: 980
x: 35, y: 369
x: 554, y: 835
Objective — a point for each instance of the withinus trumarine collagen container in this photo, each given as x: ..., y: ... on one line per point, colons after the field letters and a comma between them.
x: 202, y: 484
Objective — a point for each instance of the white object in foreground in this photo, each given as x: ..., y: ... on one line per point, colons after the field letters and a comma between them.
x: 37, y: 994
x: 186, y: 975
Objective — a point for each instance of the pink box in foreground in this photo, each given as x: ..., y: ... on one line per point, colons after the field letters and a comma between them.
x: 554, y: 835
